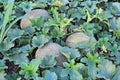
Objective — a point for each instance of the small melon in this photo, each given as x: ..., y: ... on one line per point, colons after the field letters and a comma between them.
x: 51, y: 49
x: 36, y: 13
x: 76, y: 38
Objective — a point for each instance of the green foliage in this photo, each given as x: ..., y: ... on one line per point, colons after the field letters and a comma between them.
x: 88, y: 46
x: 58, y: 71
x: 13, y: 34
x: 77, y: 13
x: 6, y: 45
x: 18, y: 55
x: 117, y: 74
x: 6, y: 18
x: 103, y: 41
x: 2, y: 65
x: 115, y: 52
x: 58, y: 23
x: 90, y: 5
x: 49, y: 75
x: 89, y: 28
x: 99, y: 19
x: 39, y: 41
x: 114, y: 7
x: 38, y: 23
x: 26, y: 6
x: 106, y: 70
x: 105, y: 15
x: 18, y: 58
x: 72, y: 69
x: 91, y: 61
x: 13, y: 76
x: 2, y: 74
x: 30, y: 70
x: 70, y: 53
x: 48, y: 61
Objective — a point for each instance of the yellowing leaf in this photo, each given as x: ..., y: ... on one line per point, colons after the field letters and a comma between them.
x: 57, y: 3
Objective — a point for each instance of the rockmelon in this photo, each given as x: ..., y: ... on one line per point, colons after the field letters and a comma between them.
x: 76, y: 38
x: 36, y: 13
x: 51, y: 49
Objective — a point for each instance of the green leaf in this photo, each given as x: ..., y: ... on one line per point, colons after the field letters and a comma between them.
x: 71, y: 65
x: 14, y: 34
x: 29, y: 30
x: 26, y: 6
x: 19, y: 58
x: 58, y: 71
x: 91, y: 61
x: 57, y: 33
x: 115, y: 8
x: 90, y: 5
x: 73, y: 4
x: 89, y: 28
x: 6, y: 18
x: 2, y: 74
x: 106, y: 70
x: 45, y: 31
x: 117, y: 57
x: 74, y: 75
x: 103, y: 41
x: 77, y: 13
x: 38, y: 22
x: 105, y: 15
x: 48, y: 61
x: 87, y: 45
x: 2, y: 65
x: 114, y: 23
x: 65, y: 22
x: 29, y: 70
x: 40, y: 4
x: 6, y: 45
x: 18, y: 55
x: 117, y: 74
x: 13, y: 76
x: 72, y: 69
x: 117, y: 21
x: 64, y: 2
x: 39, y: 41
x: 65, y: 72
x: 24, y: 49
x: 50, y: 75
x: 35, y: 64
x: 70, y: 53
x: 115, y: 52
x: 40, y: 78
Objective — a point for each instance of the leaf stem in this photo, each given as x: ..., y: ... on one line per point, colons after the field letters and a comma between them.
x: 11, y: 26
x: 6, y: 19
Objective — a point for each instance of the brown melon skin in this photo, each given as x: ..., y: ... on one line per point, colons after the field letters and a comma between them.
x: 51, y: 49
x: 76, y: 38
x: 36, y: 13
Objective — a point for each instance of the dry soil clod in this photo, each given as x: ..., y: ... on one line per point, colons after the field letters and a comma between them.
x: 36, y: 13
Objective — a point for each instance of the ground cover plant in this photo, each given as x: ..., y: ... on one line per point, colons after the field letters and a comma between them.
x: 59, y: 40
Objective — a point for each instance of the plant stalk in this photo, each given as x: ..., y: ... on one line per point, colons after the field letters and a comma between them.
x: 6, y: 18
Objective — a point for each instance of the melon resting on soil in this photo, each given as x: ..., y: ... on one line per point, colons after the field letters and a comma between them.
x: 51, y: 49
x: 76, y: 38
x: 36, y: 13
